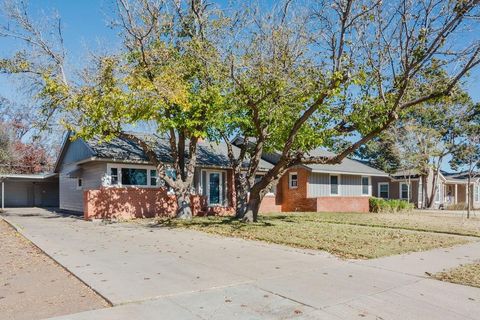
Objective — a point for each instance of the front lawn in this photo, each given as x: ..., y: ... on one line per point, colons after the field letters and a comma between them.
x: 468, y: 275
x: 345, y: 235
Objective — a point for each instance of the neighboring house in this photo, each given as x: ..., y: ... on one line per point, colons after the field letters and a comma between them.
x: 407, y: 185
x: 115, y: 179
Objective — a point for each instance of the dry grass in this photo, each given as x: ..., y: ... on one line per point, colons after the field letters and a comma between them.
x: 345, y: 235
x: 468, y: 275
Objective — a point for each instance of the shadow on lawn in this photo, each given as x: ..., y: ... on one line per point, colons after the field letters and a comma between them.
x: 232, y: 222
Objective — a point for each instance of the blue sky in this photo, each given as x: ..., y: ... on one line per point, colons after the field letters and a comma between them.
x: 85, y: 28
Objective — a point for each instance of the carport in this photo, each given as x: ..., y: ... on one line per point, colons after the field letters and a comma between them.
x: 29, y: 190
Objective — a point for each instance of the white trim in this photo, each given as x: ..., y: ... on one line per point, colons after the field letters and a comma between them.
x: 388, y: 189
x: 290, y: 174
x: 369, y: 193
x: 207, y: 191
x: 401, y: 191
x: 120, y: 166
x: 339, y: 191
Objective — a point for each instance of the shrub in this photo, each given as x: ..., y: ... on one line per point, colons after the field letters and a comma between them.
x: 457, y: 206
x: 389, y: 205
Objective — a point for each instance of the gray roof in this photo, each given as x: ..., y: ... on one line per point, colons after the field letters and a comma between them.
x: 461, y: 177
x: 347, y: 166
x: 209, y: 154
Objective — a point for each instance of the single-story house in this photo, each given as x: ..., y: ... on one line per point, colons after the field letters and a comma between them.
x: 29, y: 190
x: 115, y: 179
x: 407, y: 185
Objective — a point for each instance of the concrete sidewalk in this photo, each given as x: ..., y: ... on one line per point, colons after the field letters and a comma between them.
x: 152, y: 273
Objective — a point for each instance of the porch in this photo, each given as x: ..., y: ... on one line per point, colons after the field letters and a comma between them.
x: 454, y: 193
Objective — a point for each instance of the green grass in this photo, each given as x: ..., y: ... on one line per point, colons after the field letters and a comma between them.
x: 468, y: 274
x: 345, y: 235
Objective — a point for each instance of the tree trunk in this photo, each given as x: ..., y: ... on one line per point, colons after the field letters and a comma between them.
x: 241, y: 204
x: 251, y: 215
x: 468, y: 197
x: 184, y: 211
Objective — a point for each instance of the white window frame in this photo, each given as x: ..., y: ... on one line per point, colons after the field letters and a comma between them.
x: 121, y: 166
x: 380, y: 184
x: 207, y: 187
x: 369, y: 193
x: 401, y: 191
x: 79, y: 182
x: 339, y: 183
x: 290, y: 186
x: 476, y: 197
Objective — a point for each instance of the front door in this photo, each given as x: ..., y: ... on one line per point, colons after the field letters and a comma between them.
x: 214, y: 192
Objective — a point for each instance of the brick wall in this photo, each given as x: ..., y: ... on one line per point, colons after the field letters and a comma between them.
x: 342, y: 204
x: 131, y: 203
x: 296, y: 199
x: 269, y: 204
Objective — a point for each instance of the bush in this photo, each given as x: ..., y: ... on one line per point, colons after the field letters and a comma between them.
x: 380, y: 205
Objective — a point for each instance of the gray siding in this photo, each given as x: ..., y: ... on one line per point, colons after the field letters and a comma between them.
x: 71, y: 198
x: 350, y: 185
x: 318, y: 185
x: 76, y: 150
x: 30, y: 193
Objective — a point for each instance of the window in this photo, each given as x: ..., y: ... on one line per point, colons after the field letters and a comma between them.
x: 365, y: 185
x: 334, y: 185
x: 113, y: 176
x: 79, y: 183
x: 477, y: 193
x: 153, y: 177
x: 131, y: 176
x: 404, y: 191
x: 293, y: 180
x: 383, y: 190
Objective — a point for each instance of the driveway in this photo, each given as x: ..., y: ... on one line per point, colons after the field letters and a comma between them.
x: 157, y: 273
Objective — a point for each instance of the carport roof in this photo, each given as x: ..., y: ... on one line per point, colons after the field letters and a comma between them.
x: 41, y: 176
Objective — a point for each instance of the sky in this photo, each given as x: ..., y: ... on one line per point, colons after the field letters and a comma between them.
x: 85, y: 29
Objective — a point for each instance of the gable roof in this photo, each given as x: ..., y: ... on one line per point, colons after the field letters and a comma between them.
x: 347, y: 166
x: 209, y: 154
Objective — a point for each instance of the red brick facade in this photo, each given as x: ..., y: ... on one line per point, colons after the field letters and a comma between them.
x: 130, y: 203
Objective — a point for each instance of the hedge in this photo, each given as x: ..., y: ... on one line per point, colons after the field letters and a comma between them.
x: 389, y: 205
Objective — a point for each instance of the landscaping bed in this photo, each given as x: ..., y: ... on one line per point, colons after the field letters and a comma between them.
x: 361, y: 236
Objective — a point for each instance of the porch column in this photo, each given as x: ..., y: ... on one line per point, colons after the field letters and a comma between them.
x: 456, y: 193
x: 3, y: 195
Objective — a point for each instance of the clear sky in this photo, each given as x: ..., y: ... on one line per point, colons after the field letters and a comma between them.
x: 85, y: 28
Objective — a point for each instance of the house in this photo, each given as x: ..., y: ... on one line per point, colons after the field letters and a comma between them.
x: 408, y: 185
x: 115, y: 179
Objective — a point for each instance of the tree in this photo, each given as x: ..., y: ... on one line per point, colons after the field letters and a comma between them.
x: 363, y: 64
x: 467, y: 155
x: 423, y: 138
x: 166, y: 76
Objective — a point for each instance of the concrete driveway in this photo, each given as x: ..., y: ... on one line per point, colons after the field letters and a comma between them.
x: 156, y: 273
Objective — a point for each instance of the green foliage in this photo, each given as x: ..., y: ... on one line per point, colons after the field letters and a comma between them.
x: 379, y: 205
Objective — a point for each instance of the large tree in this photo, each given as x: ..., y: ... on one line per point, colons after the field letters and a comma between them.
x: 166, y: 76
x: 363, y: 63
